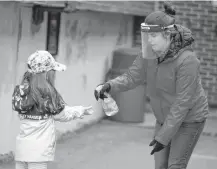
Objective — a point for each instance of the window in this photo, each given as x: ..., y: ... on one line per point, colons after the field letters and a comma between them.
x: 53, y: 27
x: 137, y: 30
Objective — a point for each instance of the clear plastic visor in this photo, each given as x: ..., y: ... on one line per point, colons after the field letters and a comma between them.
x: 147, y: 51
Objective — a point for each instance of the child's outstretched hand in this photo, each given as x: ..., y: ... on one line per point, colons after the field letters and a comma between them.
x: 87, y: 110
x: 80, y: 111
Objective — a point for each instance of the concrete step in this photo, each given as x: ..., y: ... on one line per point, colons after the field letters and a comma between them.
x: 210, y: 128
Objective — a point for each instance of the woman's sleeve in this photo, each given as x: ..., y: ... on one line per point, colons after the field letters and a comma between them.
x: 135, y: 75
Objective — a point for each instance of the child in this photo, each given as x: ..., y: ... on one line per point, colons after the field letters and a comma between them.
x: 39, y: 105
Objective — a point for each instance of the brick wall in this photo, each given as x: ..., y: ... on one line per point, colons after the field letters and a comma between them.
x: 201, y: 18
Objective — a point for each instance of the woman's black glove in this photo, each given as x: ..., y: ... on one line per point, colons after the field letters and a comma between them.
x: 100, y: 93
x: 157, y: 146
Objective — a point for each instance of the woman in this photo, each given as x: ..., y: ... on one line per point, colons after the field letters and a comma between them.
x: 174, y: 85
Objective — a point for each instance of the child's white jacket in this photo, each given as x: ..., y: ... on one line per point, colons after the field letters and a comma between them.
x: 36, y: 141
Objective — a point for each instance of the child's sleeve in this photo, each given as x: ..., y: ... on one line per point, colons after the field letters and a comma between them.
x: 68, y: 114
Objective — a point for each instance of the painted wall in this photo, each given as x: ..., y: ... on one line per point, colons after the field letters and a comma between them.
x: 8, y: 53
x: 19, y: 38
x: 86, y: 42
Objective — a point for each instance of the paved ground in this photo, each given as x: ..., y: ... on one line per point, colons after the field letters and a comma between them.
x: 111, y: 145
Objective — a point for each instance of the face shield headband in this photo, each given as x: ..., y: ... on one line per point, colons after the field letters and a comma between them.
x: 154, y: 28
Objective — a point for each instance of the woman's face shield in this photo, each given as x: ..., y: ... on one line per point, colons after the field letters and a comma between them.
x: 147, y: 51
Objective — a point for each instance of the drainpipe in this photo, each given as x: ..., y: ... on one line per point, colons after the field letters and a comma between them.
x: 156, y: 5
x: 19, y: 34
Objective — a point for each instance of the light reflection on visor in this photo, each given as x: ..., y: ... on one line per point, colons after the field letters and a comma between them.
x: 153, y: 28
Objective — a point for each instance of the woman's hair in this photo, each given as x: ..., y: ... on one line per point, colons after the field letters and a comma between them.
x: 42, y: 88
x: 162, y: 18
x: 166, y: 33
x: 169, y: 9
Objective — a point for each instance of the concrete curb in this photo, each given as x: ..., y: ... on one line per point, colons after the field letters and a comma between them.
x: 6, y: 158
x: 61, y: 137
x: 151, y: 127
x: 206, y: 132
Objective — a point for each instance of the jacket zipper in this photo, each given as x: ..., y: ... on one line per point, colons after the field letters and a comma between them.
x: 156, y: 81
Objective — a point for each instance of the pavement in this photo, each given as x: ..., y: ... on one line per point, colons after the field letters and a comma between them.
x: 113, y: 145
x: 209, y: 133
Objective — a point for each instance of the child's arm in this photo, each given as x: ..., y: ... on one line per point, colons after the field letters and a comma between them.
x: 72, y: 113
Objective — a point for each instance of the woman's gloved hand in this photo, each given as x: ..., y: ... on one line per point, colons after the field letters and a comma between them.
x: 157, y: 146
x: 100, y: 90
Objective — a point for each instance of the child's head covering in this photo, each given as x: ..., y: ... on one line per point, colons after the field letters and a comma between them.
x: 42, y: 61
